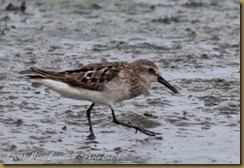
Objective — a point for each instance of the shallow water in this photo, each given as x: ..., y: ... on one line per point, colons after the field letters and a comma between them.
x: 196, y: 46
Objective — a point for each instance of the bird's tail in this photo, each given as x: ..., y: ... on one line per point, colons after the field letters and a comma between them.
x: 43, y: 74
x: 37, y: 78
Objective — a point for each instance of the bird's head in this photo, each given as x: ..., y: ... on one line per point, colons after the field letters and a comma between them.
x: 149, y: 72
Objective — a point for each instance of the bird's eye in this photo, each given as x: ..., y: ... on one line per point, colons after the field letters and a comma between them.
x: 151, y: 70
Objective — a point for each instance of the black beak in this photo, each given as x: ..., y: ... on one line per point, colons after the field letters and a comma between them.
x: 165, y: 83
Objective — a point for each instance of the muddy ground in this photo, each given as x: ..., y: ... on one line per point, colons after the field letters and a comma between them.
x: 196, y: 45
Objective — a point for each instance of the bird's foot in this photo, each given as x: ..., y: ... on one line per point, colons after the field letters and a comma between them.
x: 91, y: 136
x: 147, y: 132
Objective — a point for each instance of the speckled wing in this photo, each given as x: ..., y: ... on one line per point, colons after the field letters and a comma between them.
x: 92, y: 76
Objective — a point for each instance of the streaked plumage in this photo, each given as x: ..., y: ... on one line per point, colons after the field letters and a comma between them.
x: 104, y: 83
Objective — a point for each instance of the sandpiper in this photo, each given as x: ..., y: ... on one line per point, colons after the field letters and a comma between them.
x: 104, y: 83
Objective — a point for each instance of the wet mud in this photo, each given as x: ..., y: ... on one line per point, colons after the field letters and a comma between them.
x: 196, y: 45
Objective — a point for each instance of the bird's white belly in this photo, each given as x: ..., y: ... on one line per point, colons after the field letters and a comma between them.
x: 102, y: 97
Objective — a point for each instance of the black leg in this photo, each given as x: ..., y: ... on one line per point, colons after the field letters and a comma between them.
x: 88, y: 113
x: 147, y: 132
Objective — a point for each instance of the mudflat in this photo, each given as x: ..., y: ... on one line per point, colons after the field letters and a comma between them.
x: 195, y: 44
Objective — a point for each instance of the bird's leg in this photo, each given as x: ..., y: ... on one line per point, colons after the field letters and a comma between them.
x: 147, y: 132
x: 88, y: 113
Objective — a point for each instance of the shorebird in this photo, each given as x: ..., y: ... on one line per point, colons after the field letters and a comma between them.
x: 104, y: 83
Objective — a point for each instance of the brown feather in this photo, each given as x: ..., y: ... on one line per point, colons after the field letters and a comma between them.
x: 90, y: 77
